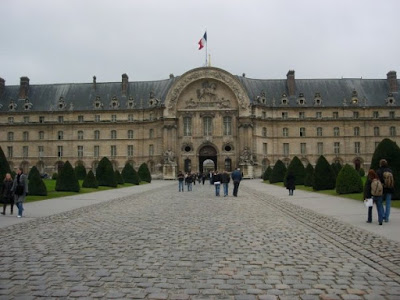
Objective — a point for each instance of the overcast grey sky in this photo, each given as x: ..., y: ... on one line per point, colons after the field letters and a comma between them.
x: 53, y: 41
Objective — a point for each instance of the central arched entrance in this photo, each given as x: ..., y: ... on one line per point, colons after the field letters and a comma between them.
x: 207, y: 154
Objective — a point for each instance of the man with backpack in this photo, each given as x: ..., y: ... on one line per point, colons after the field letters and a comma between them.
x: 386, y: 177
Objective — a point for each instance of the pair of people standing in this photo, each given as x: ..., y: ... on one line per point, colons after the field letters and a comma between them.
x: 14, y: 192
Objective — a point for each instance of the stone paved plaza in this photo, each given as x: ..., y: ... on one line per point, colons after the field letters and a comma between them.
x: 161, y: 244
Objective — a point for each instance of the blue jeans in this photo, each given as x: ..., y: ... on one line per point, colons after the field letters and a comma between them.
x: 20, y: 208
x: 180, y: 186
x: 189, y: 186
x: 379, y: 207
x: 386, y: 212
x: 217, y: 187
x: 225, y: 188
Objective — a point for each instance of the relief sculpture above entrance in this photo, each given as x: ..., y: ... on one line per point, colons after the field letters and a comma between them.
x: 207, y: 96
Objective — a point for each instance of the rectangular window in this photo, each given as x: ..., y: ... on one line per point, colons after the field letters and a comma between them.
x: 96, y: 151
x: 41, y: 119
x: 357, y: 147
x: 264, y: 132
x: 376, y: 131
x: 97, y: 118
x: 336, y: 131
x: 301, y: 115
x: 303, y: 148
x: 284, y: 115
x: 318, y: 115
x: 113, y: 151
x: 10, y: 153
x: 227, y: 126
x: 10, y: 136
x: 60, y: 135
x: 319, y: 131
x: 10, y: 120
x: 375, y: 114
x: 41, y: 151
x: 392, y: 131
x: 96, y: 135
x: 151, y: 150
x: 151, y: 133
x: 25, y: 151
x: 151, y: 116
x: 336, y: 147
x: 320, y: 148
x: 265, y: 148
x: 356, y: 131
x: 187, y: 126
x: 60, y: 119
x: 130, y: 151
x: 286, y: 149
x: 335, y: 115
x: 207, y: 126
x: 25, y: 136
x: 26, y: 120
x: 302, y: 131
x: 391, y: 114
x: 130, y: 118
x: 80, y: 119
x: 130, y: 134
x: 355, y: 114
x: 264, y: 115
x: 80, y: 151
x: 60, y: 151
x: 285, y: 132
x: 80, y: 135
x: 113, y: 134
x: 41, y: 135
x: 114, y: 118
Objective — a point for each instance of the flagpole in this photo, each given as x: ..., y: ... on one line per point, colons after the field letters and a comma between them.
x: 206, y: 47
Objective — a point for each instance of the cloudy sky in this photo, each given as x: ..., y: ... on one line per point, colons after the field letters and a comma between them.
x: 64, y: 41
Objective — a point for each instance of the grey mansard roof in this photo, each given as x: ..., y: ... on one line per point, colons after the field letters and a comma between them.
x: 81, y: 96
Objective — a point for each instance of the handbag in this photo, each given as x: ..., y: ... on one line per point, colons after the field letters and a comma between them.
x: 368, y: 202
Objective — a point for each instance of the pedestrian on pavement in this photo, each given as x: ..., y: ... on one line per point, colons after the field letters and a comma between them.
x: 290, y: 183
x: 217, y: 182
x: 203, y: 177
x: 386, y: 177
x: 371, y: 190
x: 189, y: 181
x: 181, y: 179
x: 7, y: 194
x: 20, y: 190
x: 225, y: 179
x: 236, y: 177
x: 210, y: 175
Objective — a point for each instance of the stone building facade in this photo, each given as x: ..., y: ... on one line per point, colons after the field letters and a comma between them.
x: 204, y: 119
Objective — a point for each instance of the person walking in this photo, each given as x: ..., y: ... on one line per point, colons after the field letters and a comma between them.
x: 181, y: 179
x: 6, y: 193
x: 236, y: 177
x: 20, y: 190
x: 217, y: 182
x: 290, y: 183
x: 203, y: 177
x: 373, y: 187
x: 225, y: 179
x: 189, y: 181
x: 386, y: 177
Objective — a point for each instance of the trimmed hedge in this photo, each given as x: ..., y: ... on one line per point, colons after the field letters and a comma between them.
x: 324, y: 176
x: 66, y: 180
x: 80, y: 172
x: 4, y: 167
x: 296, y: 167
x: 36, y: 185
x: 336, y: 167
x: 309, y: 178
x: 348, y: 181
x: 267, y: 173
x: 118, y: 177
x: 90, y: 181
x: 278, y: 172
x: 130, y: 175
x: 105, y: 173
x: 144, y: 173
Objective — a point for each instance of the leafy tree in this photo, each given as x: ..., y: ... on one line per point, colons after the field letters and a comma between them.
x: 309, y: 178
x: 278, y: 172
x: 105, y: 173
x: 389, y: 150
x: 348, y: 181
x: 324, y: 176
x: 36, y: 185
x: 90, y: 181
x: 80, y: 172
x: 296, y: 167
x: 118, y: 177
x: 4, y: 167
x: 144, y: 173
x: 267, y: 173
x: 66, y: 180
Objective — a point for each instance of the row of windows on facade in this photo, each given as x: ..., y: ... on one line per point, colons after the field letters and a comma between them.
x: 207, y: 132
x: 113, y: 150
x: 285, y: 115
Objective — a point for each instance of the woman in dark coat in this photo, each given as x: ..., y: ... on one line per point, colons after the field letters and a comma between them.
x: 20, y: 190
x: 290, y: 183
x: 6, y: 193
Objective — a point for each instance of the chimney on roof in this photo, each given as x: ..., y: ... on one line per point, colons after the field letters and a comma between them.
x: 2, y: 86
x: 125, y: 79
x: 290, y: 83
x: 94, y: 83
x: 23, y: 87
x: 392, y: 81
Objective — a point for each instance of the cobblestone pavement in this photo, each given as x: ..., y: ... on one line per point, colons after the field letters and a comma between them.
x: 168, y: 245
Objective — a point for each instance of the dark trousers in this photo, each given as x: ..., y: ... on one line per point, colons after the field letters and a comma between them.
x: 6, y: 202
x: 235, y: 188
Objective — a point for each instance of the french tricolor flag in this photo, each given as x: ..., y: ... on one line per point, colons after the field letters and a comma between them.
x: 203, y: 41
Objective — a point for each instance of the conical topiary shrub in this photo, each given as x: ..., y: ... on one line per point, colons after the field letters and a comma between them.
x: 105, y: 173
x: 336, y: 167
x: 296, y: 167
x: 144, y: 173
x: 278, y: 172
x: 324, y: 176
x: 80, y: 172
x: 118, y: 177
x: 267, y: 173
x: 389, y: 150
x: 128, y: 174
x: 309, y: 178
x: 90, y: 181
x: 66, y: 180
x: 36, y: 185
x: 4, y: 167
x: 348, y: 181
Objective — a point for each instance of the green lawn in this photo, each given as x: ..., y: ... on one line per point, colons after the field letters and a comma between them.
x: 355, y: 196
x: 52, y: 193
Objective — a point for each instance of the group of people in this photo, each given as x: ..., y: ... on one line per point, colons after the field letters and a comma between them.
x: 215, y: 178
x: 379, y: 187
x: 14, y: 192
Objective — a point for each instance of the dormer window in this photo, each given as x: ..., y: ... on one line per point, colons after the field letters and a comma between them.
x: 284, y: 100
x: 27, y: 104
x: 97, y: 104
x: 390, y: 99
x: 114, y: 103
x: 12, y: 106
x: 354, y: 97
x: 261, y: 98
x: 301, y: 100
x: 130, y: 103
x: 61, y: 104
x: 317, y: 99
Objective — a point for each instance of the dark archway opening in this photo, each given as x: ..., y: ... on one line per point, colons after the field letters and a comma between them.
x: 205, y: 153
